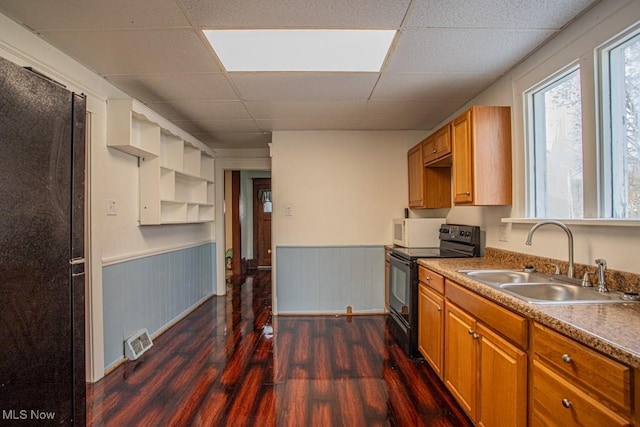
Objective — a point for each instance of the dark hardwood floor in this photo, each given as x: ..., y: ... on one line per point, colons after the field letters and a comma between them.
x: 231, y: 363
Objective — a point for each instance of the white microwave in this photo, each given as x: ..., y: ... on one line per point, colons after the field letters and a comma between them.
x: 417, y: 232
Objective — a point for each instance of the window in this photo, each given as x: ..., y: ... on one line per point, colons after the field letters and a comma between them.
x: 620, y: 159
x: 555, y: 178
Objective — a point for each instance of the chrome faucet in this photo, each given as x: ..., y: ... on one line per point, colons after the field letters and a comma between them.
x: 569, y: 238
x: 602, y: 266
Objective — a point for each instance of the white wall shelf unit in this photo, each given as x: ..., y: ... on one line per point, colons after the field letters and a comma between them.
x: 176, y: 171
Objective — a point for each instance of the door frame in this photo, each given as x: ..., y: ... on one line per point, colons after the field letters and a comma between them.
x: 222, y: 164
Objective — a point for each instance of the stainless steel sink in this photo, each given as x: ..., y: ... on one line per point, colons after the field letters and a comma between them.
x: 538, y: 288
x: 558, y: 293
x: 505, y: 276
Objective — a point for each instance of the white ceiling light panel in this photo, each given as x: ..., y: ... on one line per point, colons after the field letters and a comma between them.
x: 301, y: 50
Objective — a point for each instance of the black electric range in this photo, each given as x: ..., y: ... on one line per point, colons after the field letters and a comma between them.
x: 456, y: 241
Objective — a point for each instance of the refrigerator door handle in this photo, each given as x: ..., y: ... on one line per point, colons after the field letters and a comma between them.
x: 77, y: 267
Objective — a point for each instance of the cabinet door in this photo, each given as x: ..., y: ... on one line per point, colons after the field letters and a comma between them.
x: 431, y: 327
x: 416, y: 177
x: 437, y: 145
x: 462, y: 159
x: 461, y: 357
x: 502, y: 393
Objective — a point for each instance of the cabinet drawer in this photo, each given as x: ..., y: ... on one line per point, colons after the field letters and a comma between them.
x: 598, y: 374
x: 437, y: 146
x: 504, y: 321
x: 557, y: 402
x: 431, y: 279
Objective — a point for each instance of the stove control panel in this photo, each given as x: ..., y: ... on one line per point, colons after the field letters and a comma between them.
x: 469, y: 234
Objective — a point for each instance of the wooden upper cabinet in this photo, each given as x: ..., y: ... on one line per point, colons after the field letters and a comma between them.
x: 481, y: 145
x: 437, y: 147
x: 428, y: 187
x: 416, y: 177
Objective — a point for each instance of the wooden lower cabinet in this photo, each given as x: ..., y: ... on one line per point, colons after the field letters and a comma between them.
x: 557, y: 402
x: 572, y: 385
x: 505, y: 370
x: 503, y: 381
x: 431, y: 327
x: 486, y: 374
x: 461, y: 358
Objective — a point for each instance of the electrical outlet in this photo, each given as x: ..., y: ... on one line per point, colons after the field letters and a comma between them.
x: 112, y: 207
x: 503, y: 233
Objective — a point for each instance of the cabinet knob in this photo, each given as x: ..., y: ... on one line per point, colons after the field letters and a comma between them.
x: 467, y: 193
x: 434, y: 151
x: 566, y: 358
x: 566, y: 403
x: 439, y: 308
x: 470, y: 331
x: 475, y: 336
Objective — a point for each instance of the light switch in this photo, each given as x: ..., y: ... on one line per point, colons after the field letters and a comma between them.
x: 288, y: 210
x: 112, y: 207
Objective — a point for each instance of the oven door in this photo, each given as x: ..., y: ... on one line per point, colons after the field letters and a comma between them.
x: 400, y: 288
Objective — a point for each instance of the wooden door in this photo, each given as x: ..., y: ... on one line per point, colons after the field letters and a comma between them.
x: 431, y: 327
x: 262, y: 222
x: 461, y: 358
x: 462, y: 159
x: 503, y: 382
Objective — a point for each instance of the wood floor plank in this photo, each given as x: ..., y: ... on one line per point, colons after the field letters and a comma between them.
x: 230, y: 362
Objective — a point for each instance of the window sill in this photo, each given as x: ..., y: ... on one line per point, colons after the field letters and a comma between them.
x: 607, y: 222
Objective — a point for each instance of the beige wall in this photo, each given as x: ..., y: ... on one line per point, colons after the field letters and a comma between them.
x: 343, y: 187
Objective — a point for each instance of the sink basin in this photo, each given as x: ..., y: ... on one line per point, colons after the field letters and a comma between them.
x: 504, y: 276
x: 538, y: 288
x: 554, y: 293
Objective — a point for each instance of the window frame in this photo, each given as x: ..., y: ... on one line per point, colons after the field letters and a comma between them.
x: 602, y: 65
x: 532, y: 181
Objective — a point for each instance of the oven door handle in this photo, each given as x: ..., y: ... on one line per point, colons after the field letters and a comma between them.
x: 400, y: 260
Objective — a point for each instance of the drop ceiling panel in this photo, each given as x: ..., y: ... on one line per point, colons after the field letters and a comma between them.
x: 309, y: 124
x: 297, y: 13
x: 434, y: 86
x: 304, y: 86
x: 516, y: 14
x: 447, y: 50
x: 177, y: 87
x: 136, y: 51
x: 407, y: 114
x: 235, y: 139
x: 205, y: 110
x: 306, y: 110
x: 95, y: 14
x: 167, y: 110
x: 228, y: 125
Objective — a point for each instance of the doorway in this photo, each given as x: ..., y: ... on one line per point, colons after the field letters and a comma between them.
x: 247, y: 221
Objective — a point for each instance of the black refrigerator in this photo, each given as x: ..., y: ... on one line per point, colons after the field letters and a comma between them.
x: 42, y: 278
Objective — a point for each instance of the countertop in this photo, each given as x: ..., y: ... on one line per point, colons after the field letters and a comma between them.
x: 612, y: 329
